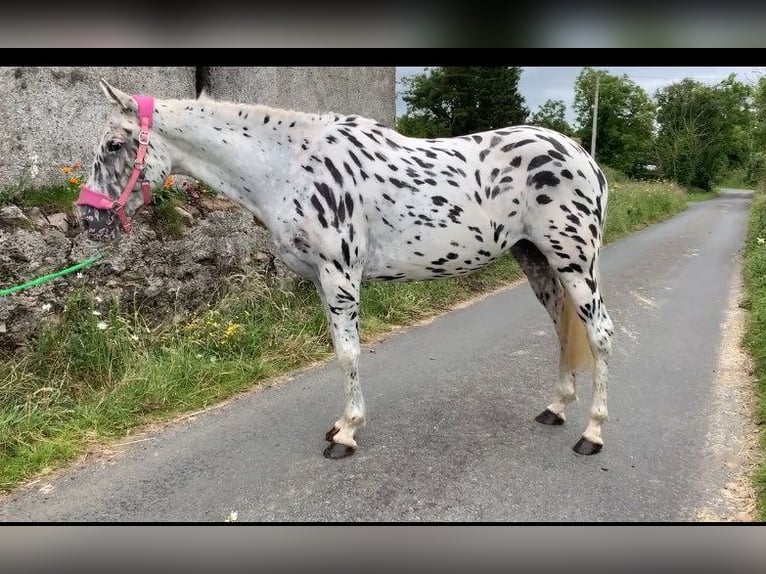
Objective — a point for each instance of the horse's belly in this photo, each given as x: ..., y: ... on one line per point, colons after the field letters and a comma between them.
x: 420, y: 260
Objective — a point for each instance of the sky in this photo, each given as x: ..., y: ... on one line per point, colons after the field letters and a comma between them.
x: 538, y: 84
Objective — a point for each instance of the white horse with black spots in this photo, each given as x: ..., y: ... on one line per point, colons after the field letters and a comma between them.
x: 347, y: 200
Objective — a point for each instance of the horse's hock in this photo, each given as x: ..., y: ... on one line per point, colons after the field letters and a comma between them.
x: 50, y: 121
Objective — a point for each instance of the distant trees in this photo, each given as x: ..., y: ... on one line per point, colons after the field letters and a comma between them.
x: 703, y: 130
x: 694, y: 132
x: 552, y: 114
x: 454, y: 101
x: 625, y: 120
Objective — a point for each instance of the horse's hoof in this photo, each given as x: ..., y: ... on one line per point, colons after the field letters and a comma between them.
x: 548, y: 417
x: 584, y: 446
x: 331, y: 433
x: 337, y: 450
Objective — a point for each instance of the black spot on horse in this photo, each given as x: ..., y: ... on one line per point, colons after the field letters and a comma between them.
x: 543, y: 178
x: 581, y: 207
x: 538, y: 161
x: 543, y: 199
x: 555, y: 143
x: 556, y: 155
x: 334, y: 171
x: 320, y: 210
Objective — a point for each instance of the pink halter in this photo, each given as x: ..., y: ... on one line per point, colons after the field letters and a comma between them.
x: 99, y: 200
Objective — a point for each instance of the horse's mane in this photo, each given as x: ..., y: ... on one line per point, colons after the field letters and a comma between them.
x: 233, y: 108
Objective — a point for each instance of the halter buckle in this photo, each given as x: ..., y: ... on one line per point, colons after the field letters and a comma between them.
x: 143, y: 137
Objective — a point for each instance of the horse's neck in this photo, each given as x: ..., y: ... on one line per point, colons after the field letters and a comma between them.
x: 241, y: 151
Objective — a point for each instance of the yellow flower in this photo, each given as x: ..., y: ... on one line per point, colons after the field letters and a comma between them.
x: 169, y: 182
x: 66, y: 169
x: 74, y: 180
x: 232, y: 329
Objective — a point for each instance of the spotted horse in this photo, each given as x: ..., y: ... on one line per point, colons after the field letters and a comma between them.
x: 347, y: 200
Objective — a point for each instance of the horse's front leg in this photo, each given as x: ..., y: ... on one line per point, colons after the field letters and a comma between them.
x: 340, y: 295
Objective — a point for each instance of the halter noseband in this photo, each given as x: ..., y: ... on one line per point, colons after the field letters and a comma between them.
x: 99, y: 200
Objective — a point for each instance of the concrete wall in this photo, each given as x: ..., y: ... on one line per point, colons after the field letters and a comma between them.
x: 54, y: 116
x: 369, y: 92
x: 57, y: 114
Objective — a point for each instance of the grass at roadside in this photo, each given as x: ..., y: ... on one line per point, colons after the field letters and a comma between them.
x: 95, y: 373
x: 755, y: 336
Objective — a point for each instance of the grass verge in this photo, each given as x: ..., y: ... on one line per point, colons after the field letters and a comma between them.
x: 755, y: 335
x: 94, y: 373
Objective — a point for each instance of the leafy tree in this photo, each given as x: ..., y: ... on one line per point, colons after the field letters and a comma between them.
x: 552, y: 114
x: 419, y: 126
x: 755, y: 166
x: 737, y: 114
x: 703, y: 130
x: 625, y: 121
x: 454, y: 101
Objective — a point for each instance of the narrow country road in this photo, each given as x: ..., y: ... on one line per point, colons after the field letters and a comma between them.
x: 451, y: 404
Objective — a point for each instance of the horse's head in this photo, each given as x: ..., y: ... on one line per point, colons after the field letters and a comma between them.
x: 130, y: 161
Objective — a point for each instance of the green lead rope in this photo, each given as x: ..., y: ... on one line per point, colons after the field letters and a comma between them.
x: 52, y: 276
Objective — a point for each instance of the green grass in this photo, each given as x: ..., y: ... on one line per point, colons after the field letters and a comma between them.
x: 736, y: 179
x: 755, y: 336
x: 89, y: 379
x: 637, y: 204
x: 50, y: 200
x: 696, y: 195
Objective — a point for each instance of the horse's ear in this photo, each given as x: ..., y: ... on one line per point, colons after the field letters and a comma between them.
x: 126, y: 102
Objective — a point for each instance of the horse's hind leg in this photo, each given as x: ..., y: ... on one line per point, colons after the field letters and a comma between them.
x: 549, y: 291
x: 340, y: 296
x: 582, y: 287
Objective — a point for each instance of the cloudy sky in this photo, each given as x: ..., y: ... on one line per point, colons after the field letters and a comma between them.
x: 538, y: 84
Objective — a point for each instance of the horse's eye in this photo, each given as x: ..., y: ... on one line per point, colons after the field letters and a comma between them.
x: 114, y: 145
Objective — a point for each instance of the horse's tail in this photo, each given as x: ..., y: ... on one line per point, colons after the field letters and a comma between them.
x: 576, y: 350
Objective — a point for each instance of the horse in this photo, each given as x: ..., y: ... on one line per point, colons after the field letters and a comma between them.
x: 346, y: 199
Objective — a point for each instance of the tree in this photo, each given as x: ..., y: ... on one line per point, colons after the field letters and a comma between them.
x: 552, y: 114
x: 625, y: 122
x: 703, y: 130
x: 756, y: 162
x: 454, y: 101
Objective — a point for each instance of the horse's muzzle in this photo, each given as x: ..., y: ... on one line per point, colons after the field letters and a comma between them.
x: 100, y: 224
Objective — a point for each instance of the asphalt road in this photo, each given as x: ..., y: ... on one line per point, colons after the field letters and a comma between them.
x: 451, y: 435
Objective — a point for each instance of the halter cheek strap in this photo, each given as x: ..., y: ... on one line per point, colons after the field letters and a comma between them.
x: 98, y: 200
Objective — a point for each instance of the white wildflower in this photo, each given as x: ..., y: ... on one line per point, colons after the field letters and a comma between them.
x: 33, y: 168
x: 79, y: 275
x: 102, y: 325
x: 232, y: 516
x: 99, y: 299
x: 46, y: 307
x: 760, y: 240
x: 96, y: 313
x: 134, y: 337
x: 199, y: 355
